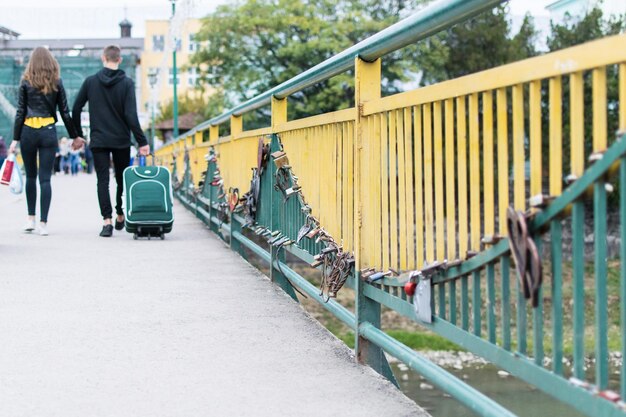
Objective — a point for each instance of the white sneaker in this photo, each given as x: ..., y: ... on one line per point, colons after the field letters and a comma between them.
x: 29, y: 226
x: 43, y: 229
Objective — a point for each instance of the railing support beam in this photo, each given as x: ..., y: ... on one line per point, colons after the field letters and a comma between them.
x: 279, y: 111
x: 214, y: 134
x: 277, y: 256
x: 367, y: 87
x: 236, y: 125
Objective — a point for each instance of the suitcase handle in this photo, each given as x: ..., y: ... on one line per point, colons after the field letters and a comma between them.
x: 142, y: 159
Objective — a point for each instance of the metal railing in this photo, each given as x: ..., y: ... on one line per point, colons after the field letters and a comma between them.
x: 426, y: 183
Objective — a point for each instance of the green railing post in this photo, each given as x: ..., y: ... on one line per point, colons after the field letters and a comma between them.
x: 277, y: 205
x: 235, y: 227
x: 214, y: 132
x: 186, y: 174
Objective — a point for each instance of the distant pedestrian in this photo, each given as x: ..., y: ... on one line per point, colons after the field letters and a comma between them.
x: 74, y: 161
x: 41, y: 92
x: 88, y: 160
x: 112, y: 117
x: 64, y: 153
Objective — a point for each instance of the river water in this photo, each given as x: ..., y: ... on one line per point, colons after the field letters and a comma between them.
x: 512, y: 393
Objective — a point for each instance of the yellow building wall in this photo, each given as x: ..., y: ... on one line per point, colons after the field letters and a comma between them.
x: 162, y: 60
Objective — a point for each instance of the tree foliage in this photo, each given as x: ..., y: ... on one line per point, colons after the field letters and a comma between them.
x: 204, y: 105
x: 483, y: 42
x: 573, y: 31
x: 254, y: 45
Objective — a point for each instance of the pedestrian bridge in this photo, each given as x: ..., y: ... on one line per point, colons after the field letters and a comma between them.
x: 480, y: 207
x: 181, y: 327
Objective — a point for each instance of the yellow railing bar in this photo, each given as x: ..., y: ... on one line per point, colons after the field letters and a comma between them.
x: 349, y: 234
x: 603, y: 52
x: 253, y: 133
x: 320, y: 119
x: 408, y: 196
x: 577, y: 124
x: 450, y: 176
x: 622, y: 96
x: 535, y: 138
x: 428, y: 183
x: 418, y: 174
x: 474, y: 178
x: 461, y: 126
x: 503, y: 159
x: 556, y: 137
x: 439, y: 190
x: 489, y: 167
x: 599, y: 106
x: 393, y: 189
x: 519, y: 162
x: 373, y: 123
x: 384, y: 167
x: 402, y: 175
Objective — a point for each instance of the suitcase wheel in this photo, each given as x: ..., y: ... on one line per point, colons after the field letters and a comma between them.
x: 135, y: 236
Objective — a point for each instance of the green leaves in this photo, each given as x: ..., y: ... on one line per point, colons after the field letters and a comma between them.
x: 478, y: 44
x: 573, y: 30
x: 254, y: 45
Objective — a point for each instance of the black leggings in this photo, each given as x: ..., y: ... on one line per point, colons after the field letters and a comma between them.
x: 102, y: 163
x: 44, y: 141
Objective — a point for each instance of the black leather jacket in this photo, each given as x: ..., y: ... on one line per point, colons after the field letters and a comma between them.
x: 33, y: 103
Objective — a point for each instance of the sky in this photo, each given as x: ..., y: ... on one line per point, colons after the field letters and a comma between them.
x: 56, y: 19
x: 68, y: 19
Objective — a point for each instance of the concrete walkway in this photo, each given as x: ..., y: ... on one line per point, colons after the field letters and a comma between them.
x: 182, y: 327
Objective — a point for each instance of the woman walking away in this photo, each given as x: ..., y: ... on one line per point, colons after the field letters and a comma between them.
x: 41, y: 92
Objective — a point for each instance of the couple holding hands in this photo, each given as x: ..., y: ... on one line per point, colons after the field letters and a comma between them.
x: 112, y: 116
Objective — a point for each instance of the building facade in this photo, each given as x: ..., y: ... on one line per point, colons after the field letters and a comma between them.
x: 157, y: 56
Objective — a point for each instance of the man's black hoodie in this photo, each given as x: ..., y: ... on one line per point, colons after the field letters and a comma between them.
x: 112, y: 110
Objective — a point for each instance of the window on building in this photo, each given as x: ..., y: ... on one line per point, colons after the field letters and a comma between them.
x: 193, y: 77
x: 158, y: 43
x: 193, y: 44
x: 171, y: 77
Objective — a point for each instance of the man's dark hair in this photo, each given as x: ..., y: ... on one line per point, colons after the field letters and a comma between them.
x: 112, y: 53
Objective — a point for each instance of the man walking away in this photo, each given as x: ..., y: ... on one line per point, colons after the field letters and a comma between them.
x: 112, y: 117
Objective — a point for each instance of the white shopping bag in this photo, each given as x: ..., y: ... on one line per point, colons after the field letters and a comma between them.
x: 16, y: 186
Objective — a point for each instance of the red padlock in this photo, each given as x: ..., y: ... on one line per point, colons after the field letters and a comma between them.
x: 8, y: 170
x: 609, y: 395
x: 409, y: 288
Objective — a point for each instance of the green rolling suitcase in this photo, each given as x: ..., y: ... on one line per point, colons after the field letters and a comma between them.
x: 148, y: 208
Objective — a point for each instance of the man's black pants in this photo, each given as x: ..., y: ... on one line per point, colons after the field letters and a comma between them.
x: 102, y: 163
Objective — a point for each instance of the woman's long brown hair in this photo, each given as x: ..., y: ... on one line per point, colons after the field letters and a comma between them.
x: 42, y: 71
